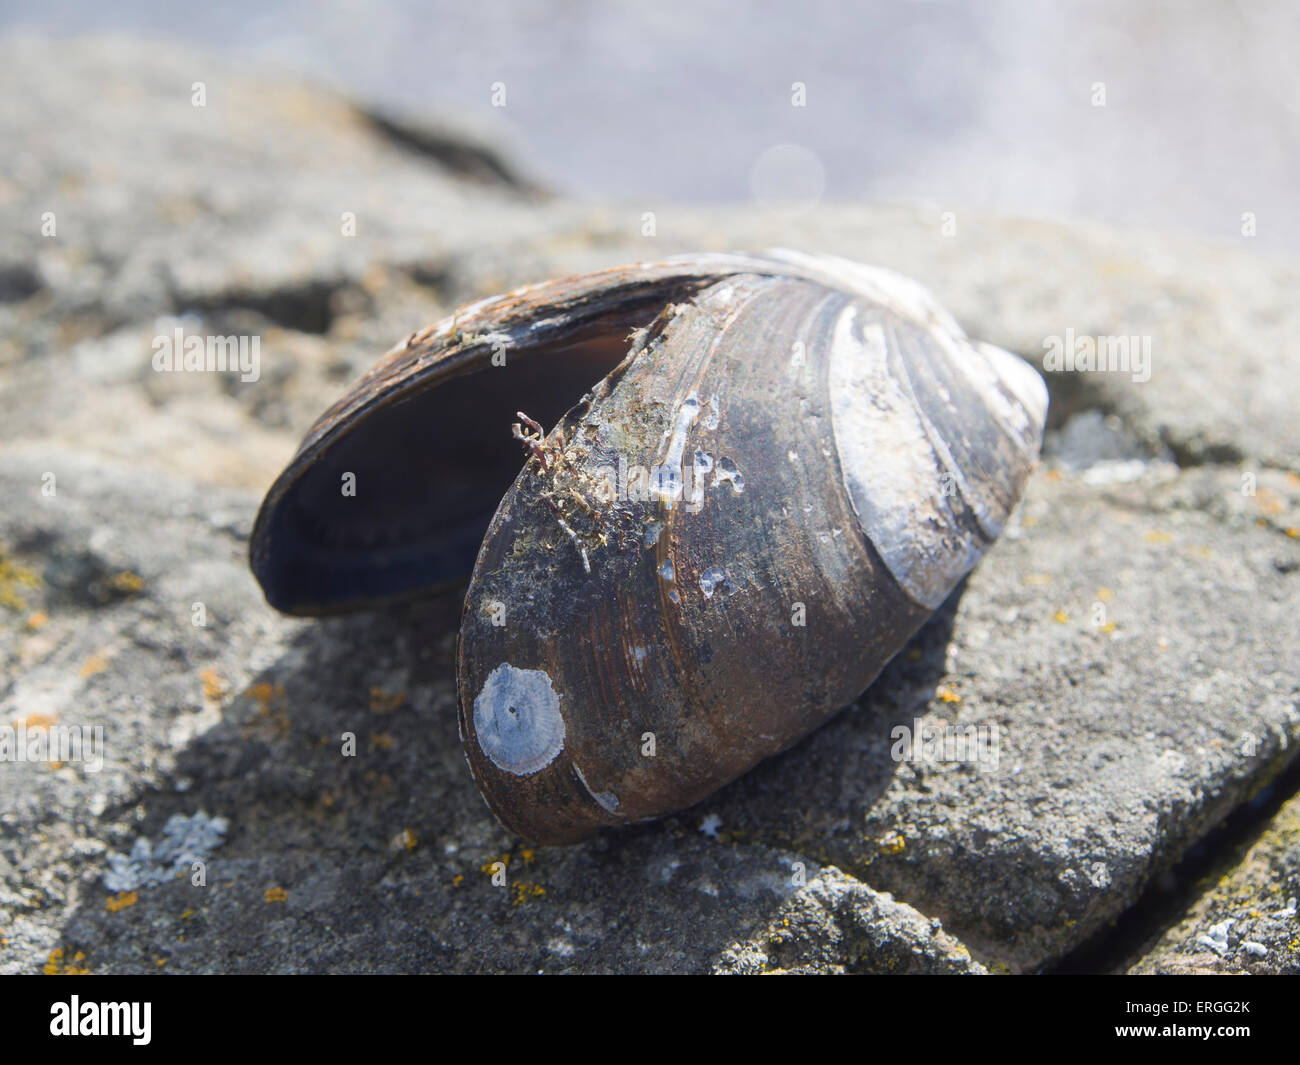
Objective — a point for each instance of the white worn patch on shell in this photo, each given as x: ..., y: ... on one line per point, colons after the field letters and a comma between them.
x: 715, y: 578
x: 711, y: 419
x: 1026, y: 384
x: 700, y: 470
x: 606, y: 800
x: 900, y: 294
x: 669, y: 485
x: 912, y: 498
x: 728, y: 472
x: 517, y: 720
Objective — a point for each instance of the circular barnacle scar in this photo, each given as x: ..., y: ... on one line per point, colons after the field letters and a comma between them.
x: 517, y: 720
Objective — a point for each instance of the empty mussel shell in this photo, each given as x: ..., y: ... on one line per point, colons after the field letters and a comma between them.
x: 764, y: 473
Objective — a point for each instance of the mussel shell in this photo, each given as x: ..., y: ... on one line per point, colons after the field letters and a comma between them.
x: 621, y: 658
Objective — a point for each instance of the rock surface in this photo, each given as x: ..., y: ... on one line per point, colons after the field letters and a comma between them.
x: 1127, y: 652
x: 1246, y: 921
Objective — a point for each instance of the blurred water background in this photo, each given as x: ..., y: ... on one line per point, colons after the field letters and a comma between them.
x: 990, y: 105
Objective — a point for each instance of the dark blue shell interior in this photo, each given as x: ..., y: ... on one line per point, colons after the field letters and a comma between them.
x: 430, y: 469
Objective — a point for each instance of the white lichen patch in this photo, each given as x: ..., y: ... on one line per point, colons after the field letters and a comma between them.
x: 517, y: 720
x: 185, y: 840
x: 666, y: 570
x: 1217, y: 937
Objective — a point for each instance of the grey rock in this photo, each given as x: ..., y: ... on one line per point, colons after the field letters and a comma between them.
x: 1091, y: 438
x: 837, y: 924
x: 1245, y: 919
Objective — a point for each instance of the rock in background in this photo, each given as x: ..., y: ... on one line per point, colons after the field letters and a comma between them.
x: 1131, y: 642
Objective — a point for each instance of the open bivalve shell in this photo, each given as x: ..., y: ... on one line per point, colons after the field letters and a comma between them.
x: 763, y: 473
